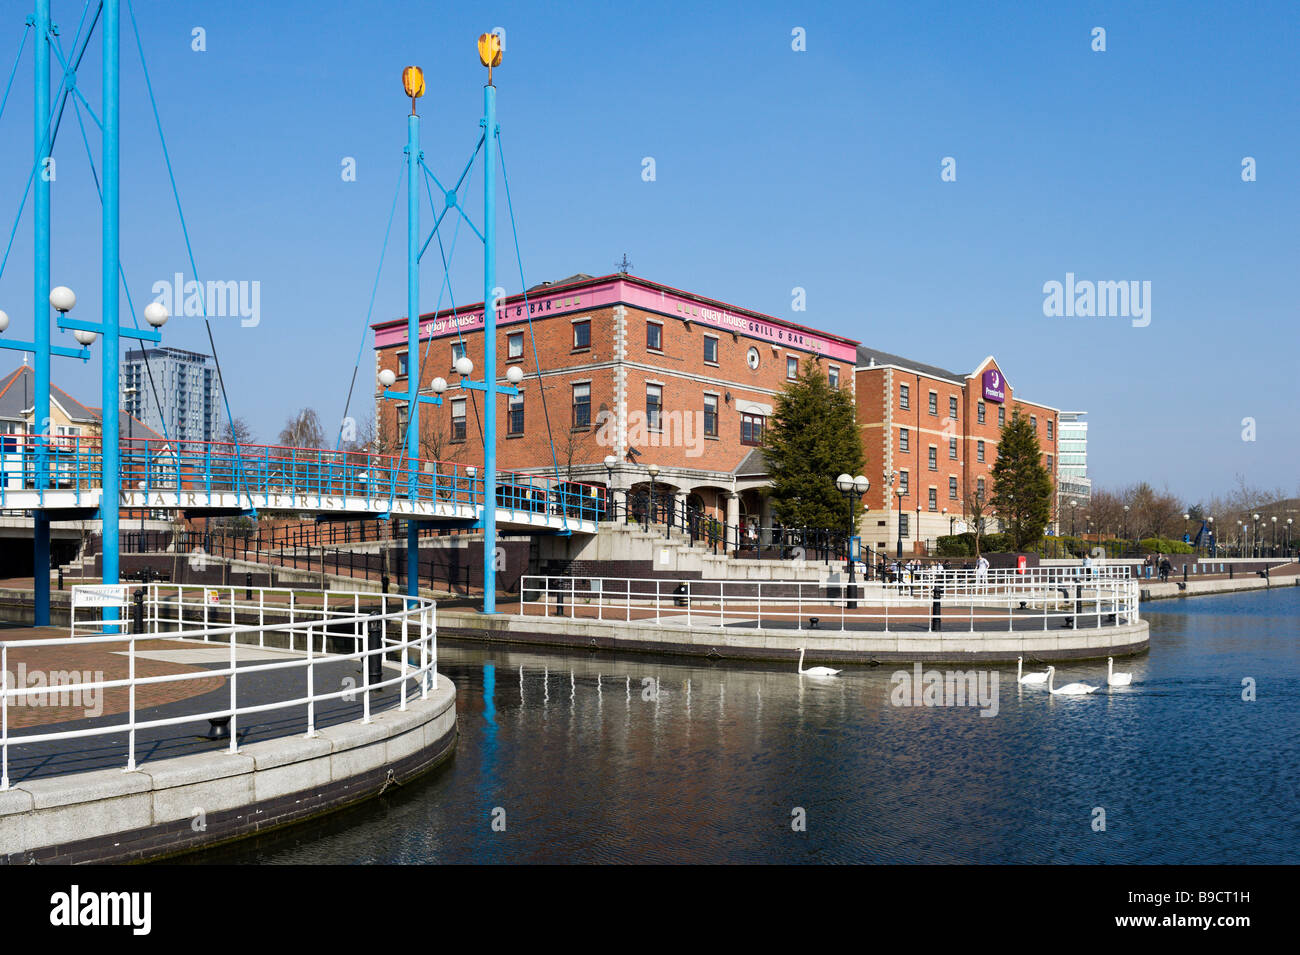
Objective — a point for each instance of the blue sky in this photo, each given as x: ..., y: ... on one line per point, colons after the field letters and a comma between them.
x: 774, y: 169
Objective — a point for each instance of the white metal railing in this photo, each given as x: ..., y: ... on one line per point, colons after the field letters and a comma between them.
x: 978, y: 605
x: 223, y: 615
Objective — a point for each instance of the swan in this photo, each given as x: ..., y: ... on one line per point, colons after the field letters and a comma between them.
x: 1070, y: 689
x: 814, y: 671
x: 1116, y: 679
x: 1022, y: 677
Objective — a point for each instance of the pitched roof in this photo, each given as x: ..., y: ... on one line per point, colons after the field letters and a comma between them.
x: 753, y: 464
x: 873, y: 356
x: 18, y: 387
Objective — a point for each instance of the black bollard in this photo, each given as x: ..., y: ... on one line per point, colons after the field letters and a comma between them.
x: 248, y: 586
x: 375, y: 642
x: 936, y: 618
x: 60, y: 578
x: 137, y: 611
x: 559, y: 603
x: 383, y: 580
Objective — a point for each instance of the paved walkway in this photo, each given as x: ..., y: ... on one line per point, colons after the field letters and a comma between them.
x: 179, y: 698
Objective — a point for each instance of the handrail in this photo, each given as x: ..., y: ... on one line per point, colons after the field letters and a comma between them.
x: 412, y: 619
x: 988, y: 603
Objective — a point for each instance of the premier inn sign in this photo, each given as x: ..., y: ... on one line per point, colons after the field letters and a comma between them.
x: 993, y: 386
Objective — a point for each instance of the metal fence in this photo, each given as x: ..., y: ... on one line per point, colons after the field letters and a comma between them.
x: 225, y: 616
x: 955, y: 600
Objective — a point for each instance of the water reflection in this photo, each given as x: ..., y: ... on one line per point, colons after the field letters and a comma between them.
x: 646, y: 759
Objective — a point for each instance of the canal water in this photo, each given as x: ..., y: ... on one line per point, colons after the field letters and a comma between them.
x: 577, y: 757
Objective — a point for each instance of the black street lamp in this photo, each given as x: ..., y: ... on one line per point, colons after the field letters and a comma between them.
x: 852, y: 488
x: 1074, y: 506
x: 1272, y: 551
x: 1214, y: 547
x: 1255, y: 550
x: 900, y: 492
x: 610, y: 461
x: 653, y: 471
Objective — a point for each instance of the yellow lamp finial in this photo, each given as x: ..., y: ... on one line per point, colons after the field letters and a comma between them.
x: 413, y: 83
x: 489, y: 52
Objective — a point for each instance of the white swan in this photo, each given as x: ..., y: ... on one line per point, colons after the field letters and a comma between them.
x: 1116, y: 679
x: 1022, y: 677
x: 814, y: 671
x: 1070, y: 689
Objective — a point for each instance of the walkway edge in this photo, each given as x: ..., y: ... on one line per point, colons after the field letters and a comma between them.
x: 192, y: 802
x: 783, y: 645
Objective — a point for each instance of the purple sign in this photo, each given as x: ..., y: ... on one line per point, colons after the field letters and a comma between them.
x: 993, y: 390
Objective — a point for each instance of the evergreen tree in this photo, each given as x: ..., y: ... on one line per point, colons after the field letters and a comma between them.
x: 1022, y: 488
x: 810, y: 440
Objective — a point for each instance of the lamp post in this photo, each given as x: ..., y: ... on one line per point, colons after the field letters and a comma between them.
x: 1213, y: 548
x: 916, y: 534
x: 1254, y: 537
x: 1125, y: 528
x: 900, y: 492
x: 1288, y: 536
x: 1272, y: 550
x: 850, y: 486
x: 610, y: 461
x: 1241, y: 552
x: 653, y: 471
x: 1074, y: 506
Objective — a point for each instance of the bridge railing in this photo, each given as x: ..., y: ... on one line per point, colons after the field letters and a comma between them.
x: 1007, y: 606
x: 371, y: 625
x: 308, y: 478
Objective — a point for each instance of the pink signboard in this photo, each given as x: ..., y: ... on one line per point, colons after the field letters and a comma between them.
x: 614, y: 292
x: 994, y: 386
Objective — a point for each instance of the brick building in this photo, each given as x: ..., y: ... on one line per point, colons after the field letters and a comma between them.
x: 651, y: 375
x: 630, y: 368
x: 933, y: 435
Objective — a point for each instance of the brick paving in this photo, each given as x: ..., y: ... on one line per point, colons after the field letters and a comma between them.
x: 168, y: 700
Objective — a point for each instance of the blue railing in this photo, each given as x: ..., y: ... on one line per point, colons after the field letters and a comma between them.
x: 311, y: 478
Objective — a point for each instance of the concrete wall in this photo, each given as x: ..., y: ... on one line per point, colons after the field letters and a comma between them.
x: 153, y: 811
x: 783, y: 645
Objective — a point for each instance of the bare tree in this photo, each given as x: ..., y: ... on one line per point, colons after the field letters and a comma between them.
x: 303, y: 430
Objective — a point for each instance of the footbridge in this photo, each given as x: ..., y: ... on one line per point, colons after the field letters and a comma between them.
x: 61, y: 478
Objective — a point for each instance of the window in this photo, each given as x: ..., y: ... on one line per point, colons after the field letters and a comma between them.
x: 582, y: 406
x: 582, y: 334
x: 979, y: 451
x: 903, y: 529
x: 515, y: 345
x: 952, y: 489
x: 457, y: 420
x: 833, y: 376
x: 792, y: 368
x: 751, y: 429
x: 654, y: 406
x: 902, y: 481
x: 457, y: 351
x: 710, y: 416
x: 979, y: 488
x: 933, y: 459
x: 934, y: 499
x: 979, y: 412
x: 904, y: 439
x: 1049, y: 464
x: 1002, y: 416
x: 710, y: 350
x: 904, y: 397
x: 402, y: 364
x: 401, y: 423
x: 952, y: 449
x: 654, y: 336
x: 934, y: 403
x: 1049, y: 429
x: 515, y: 415
x: 1033, y: 423
x: 952, y: 408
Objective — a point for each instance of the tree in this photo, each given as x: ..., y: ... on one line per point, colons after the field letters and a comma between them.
x: 811, y: 439
x: 1022, y: 487
x: 303, y: 430
x: 237, y: 432
x: 976, y: 507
